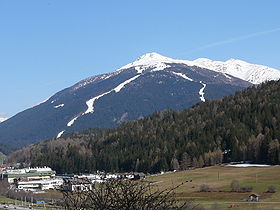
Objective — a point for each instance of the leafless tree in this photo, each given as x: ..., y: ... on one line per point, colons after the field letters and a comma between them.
x: 125, y: 195
x: 4, y: 186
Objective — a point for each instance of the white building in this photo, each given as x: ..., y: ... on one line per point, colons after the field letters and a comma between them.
x: 39, y: 185
x: 27, y: 173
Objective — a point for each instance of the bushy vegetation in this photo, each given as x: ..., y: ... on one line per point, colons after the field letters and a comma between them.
x: 236, y: 128
x: 271, y: 189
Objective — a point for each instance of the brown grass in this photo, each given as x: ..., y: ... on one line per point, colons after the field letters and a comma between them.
x: 219, y: 179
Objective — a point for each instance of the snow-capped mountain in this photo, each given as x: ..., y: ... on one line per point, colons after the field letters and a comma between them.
x: 252, y: 73
x: 152, y: 82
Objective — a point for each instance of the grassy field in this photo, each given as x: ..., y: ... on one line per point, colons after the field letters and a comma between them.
x: 6, y: 200
x: 219, y: 178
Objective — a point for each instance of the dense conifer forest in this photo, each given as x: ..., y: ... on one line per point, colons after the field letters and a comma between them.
x: 243, y: 127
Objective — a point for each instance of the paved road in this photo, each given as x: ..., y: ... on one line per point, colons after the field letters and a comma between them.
x: 11, y: 206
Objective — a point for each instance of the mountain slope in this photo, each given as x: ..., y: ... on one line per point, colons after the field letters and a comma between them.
x: 244, y: 127
x: 153, y: 82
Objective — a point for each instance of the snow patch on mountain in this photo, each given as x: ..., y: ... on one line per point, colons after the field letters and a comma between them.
x: 182, y: 75
x: 60, y: 134
x: 71, y: 122
x: 120, y: 86
x: 90, y: 103
x: 58, y: 106
x: 201, y: 91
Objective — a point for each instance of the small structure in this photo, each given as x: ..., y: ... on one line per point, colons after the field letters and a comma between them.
x: 77, y: 185
x: 138, y: 176
x: 254, y: 197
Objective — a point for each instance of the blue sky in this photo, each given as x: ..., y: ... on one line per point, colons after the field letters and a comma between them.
x: 48, y: 45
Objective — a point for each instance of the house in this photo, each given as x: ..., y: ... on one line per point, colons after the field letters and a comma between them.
x: 77, y: 185
x: 254, y: 197
x: 138, y: 176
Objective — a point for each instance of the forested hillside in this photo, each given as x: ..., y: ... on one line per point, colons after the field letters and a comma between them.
x: 241, y: 127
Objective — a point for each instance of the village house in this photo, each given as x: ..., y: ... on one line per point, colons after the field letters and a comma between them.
x: 77, y: 185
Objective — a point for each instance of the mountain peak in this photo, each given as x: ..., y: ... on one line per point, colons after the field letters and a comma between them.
x: 152, y: 57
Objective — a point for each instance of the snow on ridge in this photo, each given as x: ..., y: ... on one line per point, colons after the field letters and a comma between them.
x: 201, y: 91
x: 153, y: 61
x: 60, y: 134
x: 147, y: 60
x: 58, y: 106
x: 182, y: 75
x: 159, y: 67
x: 2, y: 119
x: 252, y: 73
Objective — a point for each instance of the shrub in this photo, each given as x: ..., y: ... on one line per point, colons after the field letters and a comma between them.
x: 246, y: 189
x: 271, y: 189
x: 204, y: 188
x: 235, y: 187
